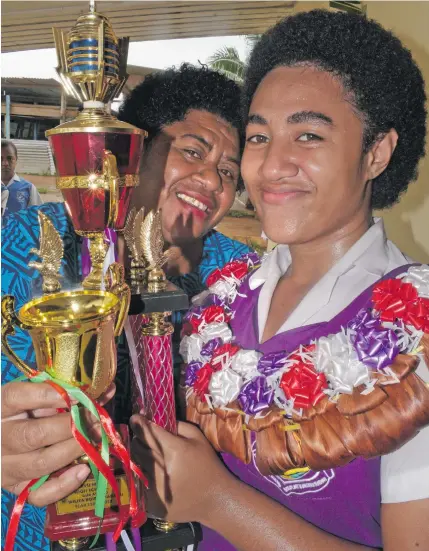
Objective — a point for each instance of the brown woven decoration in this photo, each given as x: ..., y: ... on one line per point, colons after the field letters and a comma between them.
x: 330, y: 434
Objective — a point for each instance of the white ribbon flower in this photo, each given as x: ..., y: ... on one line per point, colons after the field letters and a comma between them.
x: 224, y: 387
x: 213, y: 330
x: 225, y: 289
x: 245, y: 363
x: 337, y: 359
x: 190, y: 348
x: 419, y: 277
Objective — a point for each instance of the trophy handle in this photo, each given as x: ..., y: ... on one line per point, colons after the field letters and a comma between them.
x: 119, y: 288
x: 10, y: 320
x: 111, y: 177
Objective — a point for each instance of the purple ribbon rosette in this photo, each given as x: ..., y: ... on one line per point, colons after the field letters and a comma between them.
x: 270, y: 363
x: 210, y: 346
x: 375, y: 346
x: 255, y: 396
x: 191, y: 372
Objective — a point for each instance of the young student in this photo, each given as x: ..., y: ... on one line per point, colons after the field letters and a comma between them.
x: 335, y: 129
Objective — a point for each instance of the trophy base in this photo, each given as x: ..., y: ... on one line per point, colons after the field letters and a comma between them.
x: 73, y: 519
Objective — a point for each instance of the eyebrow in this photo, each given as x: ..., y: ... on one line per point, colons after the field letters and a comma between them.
x: 309, y: 116
x: 296, y: 118
x: 209, y: 145
x: 200, y: 139
x: 254, y: 118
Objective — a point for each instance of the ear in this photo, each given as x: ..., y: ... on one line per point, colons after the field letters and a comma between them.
x: 380, y: 154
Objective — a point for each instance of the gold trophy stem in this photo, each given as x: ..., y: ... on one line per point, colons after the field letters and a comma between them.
x: 164, y: 525
x: 97, y: 251
x: 73, y: 544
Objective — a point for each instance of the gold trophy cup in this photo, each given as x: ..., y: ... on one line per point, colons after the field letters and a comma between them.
x: 73, y: 334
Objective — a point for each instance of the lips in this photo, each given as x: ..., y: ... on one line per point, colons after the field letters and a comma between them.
x: 278, y: 194
x: 196, y: 200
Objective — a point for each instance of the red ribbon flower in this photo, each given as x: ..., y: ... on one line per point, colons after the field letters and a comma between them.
x: 236, y: 269
x: 202, y: 381
x: 190, y: 326
x: 215, y: 314
x: 417, y: 314
x: 302, y: 382
x: 392, y: 298
x: 226, y: 351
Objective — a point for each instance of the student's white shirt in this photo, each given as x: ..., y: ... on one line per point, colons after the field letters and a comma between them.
x: 405, y: 472
x: 35, y: 198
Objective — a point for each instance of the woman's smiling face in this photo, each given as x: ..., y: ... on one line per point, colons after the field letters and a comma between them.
x: 303, y: 164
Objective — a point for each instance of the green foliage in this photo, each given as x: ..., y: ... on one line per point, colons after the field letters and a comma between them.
x: 227, y: 61
x: 241, y: 214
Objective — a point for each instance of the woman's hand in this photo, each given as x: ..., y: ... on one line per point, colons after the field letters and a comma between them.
x: 36, y: 440
x: 185, y: 475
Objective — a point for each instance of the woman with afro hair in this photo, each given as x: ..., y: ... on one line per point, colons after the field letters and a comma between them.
x: 335, y: 110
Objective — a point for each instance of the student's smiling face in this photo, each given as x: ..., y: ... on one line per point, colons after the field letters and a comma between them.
x: 303, y: 164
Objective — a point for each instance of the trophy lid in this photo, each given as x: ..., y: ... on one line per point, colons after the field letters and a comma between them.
x: 92, y: 64
x: 92, y: 61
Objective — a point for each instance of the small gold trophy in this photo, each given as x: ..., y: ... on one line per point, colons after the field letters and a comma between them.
x: 97, y: 157
x: 73, y: 334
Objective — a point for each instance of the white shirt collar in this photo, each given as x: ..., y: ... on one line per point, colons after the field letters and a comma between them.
x: 279, y: 260
x: 366, y: 261
x: 15, y: 178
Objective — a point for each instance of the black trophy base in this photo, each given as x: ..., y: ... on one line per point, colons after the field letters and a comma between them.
x: 185, y: 536
x: 170, y: 300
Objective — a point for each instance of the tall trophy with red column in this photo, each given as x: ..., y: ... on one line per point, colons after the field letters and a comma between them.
x: 149, y: 331
x: 97, y: 157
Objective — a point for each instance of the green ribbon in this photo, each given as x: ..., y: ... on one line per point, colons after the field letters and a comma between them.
x: 79, y: 396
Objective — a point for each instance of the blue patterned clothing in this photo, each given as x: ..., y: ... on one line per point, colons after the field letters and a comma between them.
x: 20, y: 234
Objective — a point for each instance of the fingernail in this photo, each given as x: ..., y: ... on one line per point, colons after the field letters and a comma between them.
x: 82, y: 472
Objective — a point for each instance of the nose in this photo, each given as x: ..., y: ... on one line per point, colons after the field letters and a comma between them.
x: 209, y: 178
x: 279, y: 162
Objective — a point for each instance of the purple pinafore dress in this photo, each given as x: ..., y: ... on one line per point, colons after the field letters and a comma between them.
x: 345, y: 501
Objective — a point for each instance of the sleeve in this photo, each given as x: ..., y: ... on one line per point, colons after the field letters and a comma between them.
x: 35, y: 198
x: 405, y: 472
x: 218, y: 250
x: 20, y: 234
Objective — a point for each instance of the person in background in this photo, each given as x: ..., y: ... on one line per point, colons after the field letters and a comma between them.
x: 22, y: 193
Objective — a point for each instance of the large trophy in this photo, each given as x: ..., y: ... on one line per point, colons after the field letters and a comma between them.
x: 73, y: 334
x: 96, y: 156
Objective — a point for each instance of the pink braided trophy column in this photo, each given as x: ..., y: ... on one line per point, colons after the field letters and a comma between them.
x: 152, y: 381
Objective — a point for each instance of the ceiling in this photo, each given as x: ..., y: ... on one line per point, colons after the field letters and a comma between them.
x: 27, y: 25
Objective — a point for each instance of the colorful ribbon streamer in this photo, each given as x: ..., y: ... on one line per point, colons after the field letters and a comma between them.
x: 98, y: 460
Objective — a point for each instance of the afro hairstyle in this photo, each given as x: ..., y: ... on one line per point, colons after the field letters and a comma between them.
x: 166, y: 97
x: 385, y: 83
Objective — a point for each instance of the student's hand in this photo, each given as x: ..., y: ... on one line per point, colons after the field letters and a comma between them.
x: 36, y: 440
x: 183, y: 471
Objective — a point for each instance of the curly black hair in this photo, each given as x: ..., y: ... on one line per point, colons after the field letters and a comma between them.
x: 386, y: 85
x: 166, y: 97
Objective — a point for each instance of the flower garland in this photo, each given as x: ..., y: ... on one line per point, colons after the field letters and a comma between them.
x: 220, y: 372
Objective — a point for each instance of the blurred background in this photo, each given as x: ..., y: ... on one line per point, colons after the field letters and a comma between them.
x: 219, y: 34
